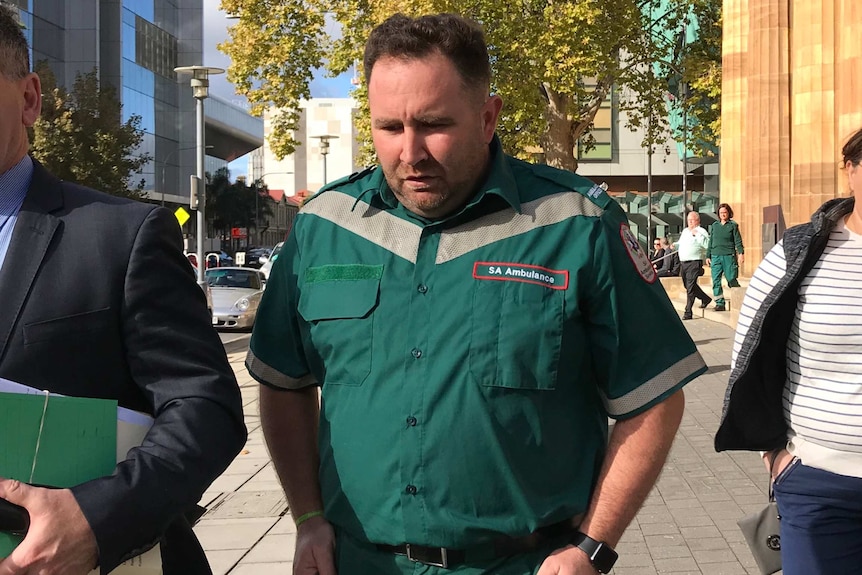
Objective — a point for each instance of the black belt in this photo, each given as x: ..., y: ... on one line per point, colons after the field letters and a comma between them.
x: 500, y: 547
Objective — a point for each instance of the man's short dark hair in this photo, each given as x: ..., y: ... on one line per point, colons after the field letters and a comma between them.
x: 14, y: 53
x: 457, y: 38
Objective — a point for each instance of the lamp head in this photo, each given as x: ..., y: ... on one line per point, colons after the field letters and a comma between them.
x: 324, y: 142
x: 200, y: 78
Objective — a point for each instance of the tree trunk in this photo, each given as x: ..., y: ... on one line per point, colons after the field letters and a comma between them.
x: 557, y: 142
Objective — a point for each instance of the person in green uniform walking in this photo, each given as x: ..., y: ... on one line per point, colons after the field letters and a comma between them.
x: 444, y: 336
x: 724, y: 254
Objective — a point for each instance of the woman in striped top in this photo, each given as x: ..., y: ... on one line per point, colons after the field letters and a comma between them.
x: 795, y: 389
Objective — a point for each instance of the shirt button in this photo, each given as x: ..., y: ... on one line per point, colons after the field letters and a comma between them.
x: 422, y: 288
x: 411, y: 489
x: 411, y: 421
x: 417, y: 353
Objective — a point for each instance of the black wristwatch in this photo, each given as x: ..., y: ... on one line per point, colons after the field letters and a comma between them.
x: 602, y: 556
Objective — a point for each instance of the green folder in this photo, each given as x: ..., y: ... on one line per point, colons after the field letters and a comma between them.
x: 78, y: 442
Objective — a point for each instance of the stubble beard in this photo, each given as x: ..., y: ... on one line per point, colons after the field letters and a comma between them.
x: 435, y: 203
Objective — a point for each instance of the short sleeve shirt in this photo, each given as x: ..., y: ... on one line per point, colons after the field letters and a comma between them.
x: 467, y: 366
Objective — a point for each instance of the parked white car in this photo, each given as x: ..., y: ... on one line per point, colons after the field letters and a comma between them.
x: 267, y: 263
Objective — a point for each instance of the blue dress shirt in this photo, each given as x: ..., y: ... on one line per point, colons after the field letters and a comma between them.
x: 13, y: 187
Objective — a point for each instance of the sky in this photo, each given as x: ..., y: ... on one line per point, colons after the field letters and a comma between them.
x: 216, y: 24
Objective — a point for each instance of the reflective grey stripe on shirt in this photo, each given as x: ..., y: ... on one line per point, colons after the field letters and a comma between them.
x: 679, y: 372
x: 263, y: 372
x: 377, y: 226
x: 545, y: 211
x: 402, y: 237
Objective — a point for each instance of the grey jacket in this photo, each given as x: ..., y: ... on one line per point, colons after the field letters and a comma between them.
x: 753, y: 416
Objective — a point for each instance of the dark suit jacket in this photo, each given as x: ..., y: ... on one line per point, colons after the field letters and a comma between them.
x: 99, y: 301
x: 669, y: 267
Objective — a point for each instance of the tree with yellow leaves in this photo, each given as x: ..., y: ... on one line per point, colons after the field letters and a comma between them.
x: 554, y: 62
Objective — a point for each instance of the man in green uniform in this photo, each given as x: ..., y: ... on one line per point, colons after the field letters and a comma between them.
x: 724, y: 254
x: 470, y: 321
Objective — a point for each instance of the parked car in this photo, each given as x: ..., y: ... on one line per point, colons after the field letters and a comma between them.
x: 255, y: 257
x: 267, y: 265
x: 218, y: 260
x: 236, y: 295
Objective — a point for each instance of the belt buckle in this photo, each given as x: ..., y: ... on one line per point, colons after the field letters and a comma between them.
x: 444, y: 557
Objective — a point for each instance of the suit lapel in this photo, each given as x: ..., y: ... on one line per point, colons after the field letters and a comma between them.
x: 31, y: 237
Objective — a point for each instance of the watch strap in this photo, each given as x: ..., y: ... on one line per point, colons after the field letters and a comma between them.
x: 602, y: 556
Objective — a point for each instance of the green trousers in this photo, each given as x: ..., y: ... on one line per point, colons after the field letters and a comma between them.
x: 728, y: 267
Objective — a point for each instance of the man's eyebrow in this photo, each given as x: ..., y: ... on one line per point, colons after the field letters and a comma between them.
x: 426, y: 120
x: 386, y: 122
x: 434, y: 119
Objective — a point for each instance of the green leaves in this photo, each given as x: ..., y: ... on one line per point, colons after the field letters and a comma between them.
x: 553, y: 61
x: 80, y: 137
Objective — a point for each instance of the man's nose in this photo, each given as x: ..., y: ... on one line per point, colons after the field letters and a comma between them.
x: 413, y: 147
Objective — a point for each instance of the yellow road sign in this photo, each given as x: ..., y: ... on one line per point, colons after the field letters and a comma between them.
x: 182, y: 215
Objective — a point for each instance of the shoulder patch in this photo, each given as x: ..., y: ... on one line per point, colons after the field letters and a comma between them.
x: 575, y: 182
x: 640, y: 260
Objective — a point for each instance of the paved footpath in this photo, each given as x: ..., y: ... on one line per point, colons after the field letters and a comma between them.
x: 687, y: 525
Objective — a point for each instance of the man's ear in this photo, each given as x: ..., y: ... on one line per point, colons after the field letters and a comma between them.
x: 490, y: 114
x: 32, y: 88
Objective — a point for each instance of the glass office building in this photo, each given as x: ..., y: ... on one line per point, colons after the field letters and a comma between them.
x: 135, y: 45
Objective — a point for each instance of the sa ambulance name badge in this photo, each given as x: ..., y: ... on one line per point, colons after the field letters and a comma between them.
x: 637, y: 255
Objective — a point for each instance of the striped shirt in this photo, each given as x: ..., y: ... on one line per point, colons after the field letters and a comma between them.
x: 13, y: 187
x: 823, y: 389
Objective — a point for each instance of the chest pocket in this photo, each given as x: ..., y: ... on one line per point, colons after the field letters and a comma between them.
x: 338, y: 302
x: 516, y: 334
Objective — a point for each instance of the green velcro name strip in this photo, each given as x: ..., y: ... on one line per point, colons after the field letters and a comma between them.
x: 502, y: 271
x: 343, y: 272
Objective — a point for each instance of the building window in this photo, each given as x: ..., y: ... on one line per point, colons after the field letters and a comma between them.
x: 155, y: 49
x: 601, y: 133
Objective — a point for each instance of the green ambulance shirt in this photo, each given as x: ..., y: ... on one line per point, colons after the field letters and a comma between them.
x: 724, y: 239
x: 467, y: 366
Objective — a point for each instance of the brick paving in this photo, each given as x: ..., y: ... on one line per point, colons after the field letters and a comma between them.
x: 687, y: 525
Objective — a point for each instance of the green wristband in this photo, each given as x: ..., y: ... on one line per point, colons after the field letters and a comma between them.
x: 303, y: 518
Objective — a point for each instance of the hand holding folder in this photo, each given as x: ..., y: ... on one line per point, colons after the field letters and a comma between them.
x: 55, y: 440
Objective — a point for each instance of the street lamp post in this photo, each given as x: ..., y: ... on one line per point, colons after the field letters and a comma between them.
x: 324, y: 150
x: 683, y: 96
x: 165, y: 165
x: 200, y: 89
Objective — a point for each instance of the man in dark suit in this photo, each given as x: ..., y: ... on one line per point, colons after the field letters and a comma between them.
x: 98, y: 301
x: 668, y: 265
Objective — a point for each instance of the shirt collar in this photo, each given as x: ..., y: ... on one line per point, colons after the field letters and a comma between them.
x: 500, y: 182
x: 14, y: 183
